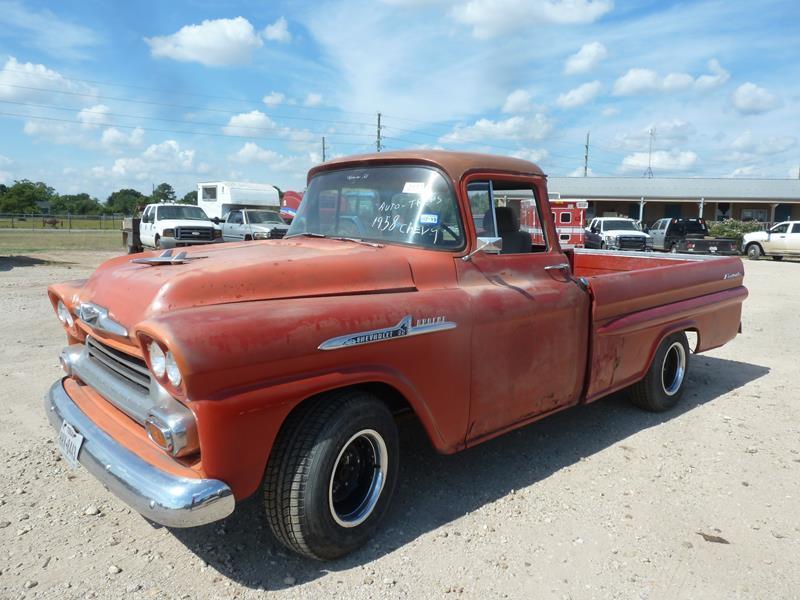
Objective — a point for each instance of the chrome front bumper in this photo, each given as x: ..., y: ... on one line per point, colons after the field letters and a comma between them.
x: 157, y: 495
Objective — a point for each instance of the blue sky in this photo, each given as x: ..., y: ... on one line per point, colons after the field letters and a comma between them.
x: 95, y: 96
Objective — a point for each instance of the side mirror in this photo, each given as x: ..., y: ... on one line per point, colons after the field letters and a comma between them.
x: 487, y: 245
x: 594, y: 230
x: 216, y: 220
x: 646, y: 229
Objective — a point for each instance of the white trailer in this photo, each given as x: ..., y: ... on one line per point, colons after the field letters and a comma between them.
x: 218, y: 198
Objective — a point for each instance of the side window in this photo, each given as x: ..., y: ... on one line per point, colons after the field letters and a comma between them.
x: 235, y: 217
x: 146, y: 214
x: 592, y: 224
x: 796, y: 228
x: 782, y: 228
x: 210, y: 192
x: 565, y: 217
x: 506, y: 210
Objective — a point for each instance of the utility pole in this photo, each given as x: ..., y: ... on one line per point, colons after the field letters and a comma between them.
x: 586, y: 156
x: 378, y: 137
x: 649, y: 172
x: 323, y: 148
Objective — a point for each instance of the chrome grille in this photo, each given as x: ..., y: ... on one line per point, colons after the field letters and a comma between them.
x: 194, y: 233
x: 130, y: 368
x: 632, y: 242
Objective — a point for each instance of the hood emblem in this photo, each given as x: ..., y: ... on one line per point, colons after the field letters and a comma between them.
x: 406, y: 327
x: 96, y: 317
x: 166, y: 258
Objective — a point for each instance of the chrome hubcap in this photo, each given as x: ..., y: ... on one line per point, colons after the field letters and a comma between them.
x: 358, y: 477
x: 673, y: 369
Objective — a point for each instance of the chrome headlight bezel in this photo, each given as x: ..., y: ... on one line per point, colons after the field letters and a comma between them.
x: 262, y: 235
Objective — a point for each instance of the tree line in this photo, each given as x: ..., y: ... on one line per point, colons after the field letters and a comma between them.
x: 30, y: 197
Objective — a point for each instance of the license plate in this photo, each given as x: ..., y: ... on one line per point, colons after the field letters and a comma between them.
x: 69, y: 442
x: 712, y: 248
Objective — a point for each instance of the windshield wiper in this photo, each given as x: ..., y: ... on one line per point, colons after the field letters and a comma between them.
x: 335, y: 237
x: 305, y: 234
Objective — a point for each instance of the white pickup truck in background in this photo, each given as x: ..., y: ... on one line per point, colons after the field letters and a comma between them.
x: 253, y: 224
x: 783, y: 239
x: 169, y: 226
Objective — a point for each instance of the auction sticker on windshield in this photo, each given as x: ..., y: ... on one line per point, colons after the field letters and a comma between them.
x: 70, y: 442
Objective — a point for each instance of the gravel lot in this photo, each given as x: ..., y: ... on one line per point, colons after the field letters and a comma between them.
x: 602, y: 501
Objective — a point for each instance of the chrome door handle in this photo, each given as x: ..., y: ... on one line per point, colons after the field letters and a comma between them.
x: 558, y: 267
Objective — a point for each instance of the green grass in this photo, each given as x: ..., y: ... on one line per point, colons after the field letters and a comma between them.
x: 15, y: 241
x: 35, y: 222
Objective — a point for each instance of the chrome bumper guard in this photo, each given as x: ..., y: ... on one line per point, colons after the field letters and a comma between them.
x: 159, y: 496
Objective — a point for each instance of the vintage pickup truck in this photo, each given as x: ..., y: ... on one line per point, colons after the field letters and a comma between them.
x: 279, y: 367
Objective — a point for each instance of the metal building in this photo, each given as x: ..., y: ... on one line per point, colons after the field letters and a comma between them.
x: 647, y: 200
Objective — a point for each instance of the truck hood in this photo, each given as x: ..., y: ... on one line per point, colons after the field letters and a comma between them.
x: 756, y: 236
x: 245, y: 272
x: 172, y: 223
x: 626, y: 233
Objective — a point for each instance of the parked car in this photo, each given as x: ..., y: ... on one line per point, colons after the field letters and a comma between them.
x: 168, y: 226
x: 689, y: 236
x: 614, y: 233
x: 253, y: 224
x: 781, y: 240
x: 195, y: 380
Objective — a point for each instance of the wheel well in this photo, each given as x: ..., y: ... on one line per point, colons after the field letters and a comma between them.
x: 754, y: 244
x: 247, y: 238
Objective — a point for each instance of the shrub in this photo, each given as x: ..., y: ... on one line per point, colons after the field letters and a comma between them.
x: 731, y: 228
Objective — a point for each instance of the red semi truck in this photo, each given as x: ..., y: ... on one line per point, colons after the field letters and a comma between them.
x: 278, y: 368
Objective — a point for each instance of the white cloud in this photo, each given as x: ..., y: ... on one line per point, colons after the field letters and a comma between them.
x: 30, y: 81
x: 156, y: 161
x: 746, y: 143
x: 532, y: 155
x: 274, y: 99
x: 746, y: 171
x: 662, y: 160
x: 637, y: 81
x: 491, y: 18
x: 254, y: 122
x: 586, y: 58
x: 667, y: 135
x: 113, y: 138
x: 513, y: 128
x: 580, y: 95
x: 518, y: 101
x: 794, y: 172
x: 278, y: 32
x: 749, y: 99
x: 94, y: 116
x: 4, y: 161
x: 610, y: 111
x: 48, y: 32
x: 253, y: 154
x: 213, y: 43
x: 313, y: 100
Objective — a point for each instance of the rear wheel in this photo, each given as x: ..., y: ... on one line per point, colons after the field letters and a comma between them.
x: 331, y: 474
x: 673, y: 248
x: 754, y: 252
x: 663, y: 385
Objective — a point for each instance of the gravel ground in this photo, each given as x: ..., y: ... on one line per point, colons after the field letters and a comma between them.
x: 603, y: 501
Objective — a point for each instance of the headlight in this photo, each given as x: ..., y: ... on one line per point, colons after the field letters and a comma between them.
x: 262, y: 235
x: 157, y: 359
x: 217, y: 233
x: 64, y: 315
x: 173, y: 373
x: 169, y: 233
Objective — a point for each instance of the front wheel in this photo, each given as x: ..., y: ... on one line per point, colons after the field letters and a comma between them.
x: 664, y: 383
x: 331, y: 474
x: 754, y: 252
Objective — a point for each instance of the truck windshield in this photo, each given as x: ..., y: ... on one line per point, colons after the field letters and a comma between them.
x: 189, y: 213
x: 694, y: 227
x: 619, y: 225
x: 264, y: 216
x: 396, y: 204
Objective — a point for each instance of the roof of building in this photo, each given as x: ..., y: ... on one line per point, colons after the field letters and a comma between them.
x: 455, y: 164
x: 676, y: 188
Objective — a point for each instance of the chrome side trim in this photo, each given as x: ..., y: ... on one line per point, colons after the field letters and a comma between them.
x: 404, y: 328
x: 167, y: 499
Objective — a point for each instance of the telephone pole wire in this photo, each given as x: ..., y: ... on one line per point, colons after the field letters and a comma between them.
x: 586, y: 156
x: 378, y: 138
x: 649, y: 172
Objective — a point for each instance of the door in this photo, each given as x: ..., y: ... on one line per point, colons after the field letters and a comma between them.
x: 530, y: 318
x: 657, y: 232
x: 593, y: 239
x: 776, y: 239
x: 793, y: 240
x: 233, y: 227
x: 147, y: 227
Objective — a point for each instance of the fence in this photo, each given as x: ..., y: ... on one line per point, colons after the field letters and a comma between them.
x: 66, y: 222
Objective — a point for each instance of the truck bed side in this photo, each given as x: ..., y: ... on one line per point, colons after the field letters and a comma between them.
x: 638, y: 298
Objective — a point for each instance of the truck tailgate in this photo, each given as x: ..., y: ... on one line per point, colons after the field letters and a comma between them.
x: 638, y: 298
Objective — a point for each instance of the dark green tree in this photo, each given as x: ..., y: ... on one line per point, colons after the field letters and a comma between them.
x: 190, y: 198
x: 23, y: 196
x: 125, y: 201
x: 163, y: 193
x: 76, y: 204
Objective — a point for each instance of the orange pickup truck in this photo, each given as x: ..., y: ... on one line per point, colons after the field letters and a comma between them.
x: 198, y: 378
